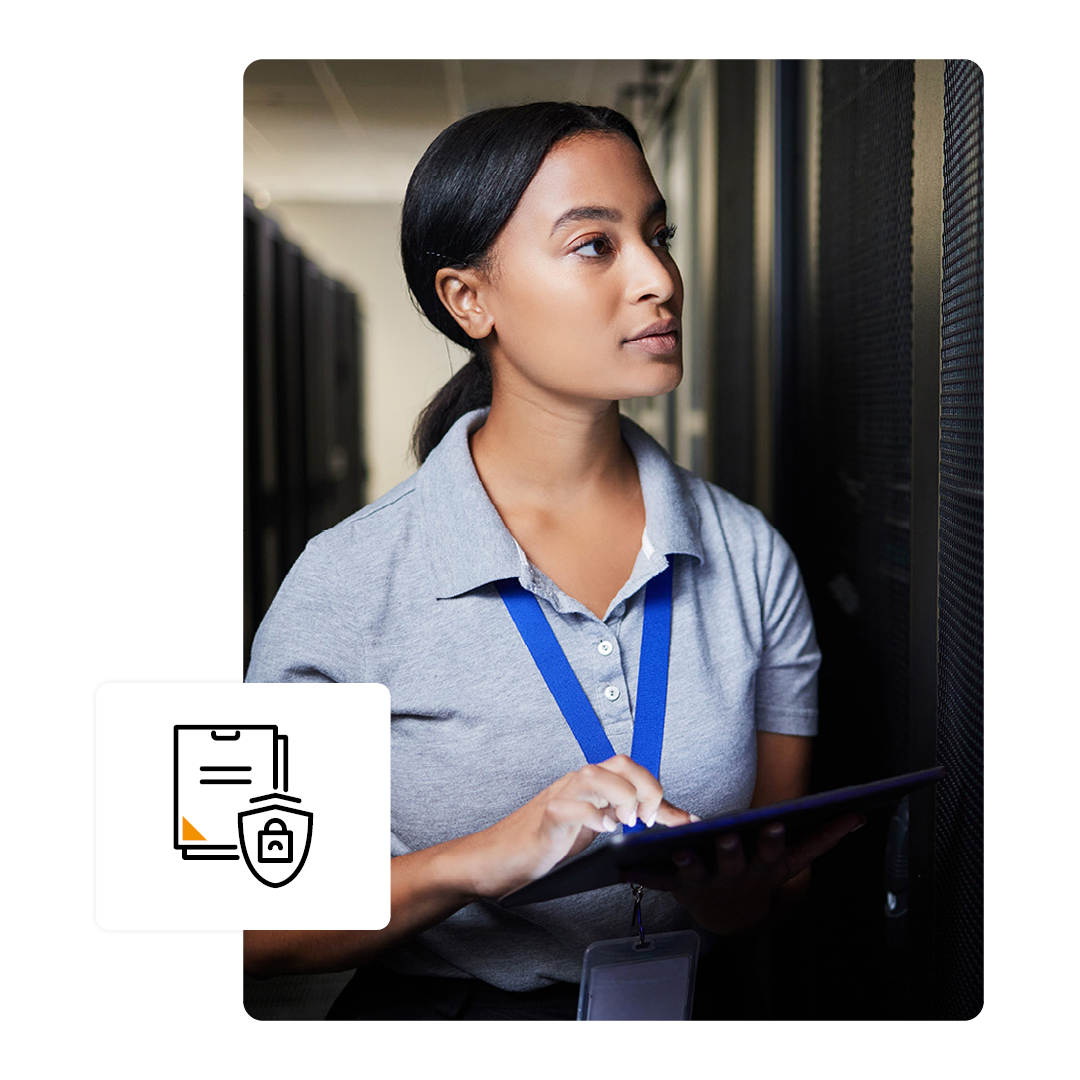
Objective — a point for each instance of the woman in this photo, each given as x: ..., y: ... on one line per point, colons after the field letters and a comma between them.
x: 536, y: 237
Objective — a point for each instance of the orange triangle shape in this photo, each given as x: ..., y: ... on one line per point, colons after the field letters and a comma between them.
x: 190, y: 832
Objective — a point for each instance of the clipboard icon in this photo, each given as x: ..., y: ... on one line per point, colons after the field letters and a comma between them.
x: 215, y: 769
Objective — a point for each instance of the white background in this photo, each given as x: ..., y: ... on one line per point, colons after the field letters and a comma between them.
x: 339, y: 766
x: 120, y: 432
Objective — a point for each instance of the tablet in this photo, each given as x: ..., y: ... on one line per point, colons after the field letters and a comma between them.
x: 651, y: 849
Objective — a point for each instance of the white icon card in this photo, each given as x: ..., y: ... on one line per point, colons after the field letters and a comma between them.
x: 227, y: 806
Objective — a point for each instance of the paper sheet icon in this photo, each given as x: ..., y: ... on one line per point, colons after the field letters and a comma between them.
x: 217, y: 770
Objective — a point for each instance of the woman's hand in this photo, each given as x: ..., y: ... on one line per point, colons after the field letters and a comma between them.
x: 428, y: 885
x: 741, y: 894
x: 561, y: 821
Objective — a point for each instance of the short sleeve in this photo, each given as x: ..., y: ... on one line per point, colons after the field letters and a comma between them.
x: 786, y: 687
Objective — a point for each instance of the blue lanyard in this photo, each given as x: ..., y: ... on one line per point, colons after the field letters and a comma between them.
x: 651, y: 701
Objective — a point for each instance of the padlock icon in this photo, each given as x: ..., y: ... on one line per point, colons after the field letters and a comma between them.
x: 275, y: 845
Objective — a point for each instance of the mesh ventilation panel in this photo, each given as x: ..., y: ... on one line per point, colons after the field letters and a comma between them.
x: 864, y: 432
x: 958, y: 935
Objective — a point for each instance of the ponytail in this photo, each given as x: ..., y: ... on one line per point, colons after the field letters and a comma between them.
x: 468, y: 388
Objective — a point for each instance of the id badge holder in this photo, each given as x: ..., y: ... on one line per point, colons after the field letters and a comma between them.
x: 631, y: 979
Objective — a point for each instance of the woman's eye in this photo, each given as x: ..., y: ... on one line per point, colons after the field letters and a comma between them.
x: 663, y: 238
x: 595, y: 247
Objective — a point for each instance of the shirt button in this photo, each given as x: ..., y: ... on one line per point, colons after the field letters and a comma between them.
x: 604, y: 648
x: 611, y: 693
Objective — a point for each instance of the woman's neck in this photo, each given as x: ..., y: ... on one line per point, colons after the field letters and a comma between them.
x: 551, y: 456
x: 566, y: 486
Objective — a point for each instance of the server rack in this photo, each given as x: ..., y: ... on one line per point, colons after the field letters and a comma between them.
x: 304, y: 467
x: 844, y: 397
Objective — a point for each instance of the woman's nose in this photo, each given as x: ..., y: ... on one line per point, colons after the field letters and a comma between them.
x: 654, y: 276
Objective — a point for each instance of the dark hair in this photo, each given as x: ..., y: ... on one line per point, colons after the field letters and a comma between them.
x: 460, y: 196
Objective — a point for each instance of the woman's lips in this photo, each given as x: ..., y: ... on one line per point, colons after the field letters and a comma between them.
x: 656, y: 343
x: 662, y: 337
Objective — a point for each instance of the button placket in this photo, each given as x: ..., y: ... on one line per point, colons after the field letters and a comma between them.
x: 614, y: 702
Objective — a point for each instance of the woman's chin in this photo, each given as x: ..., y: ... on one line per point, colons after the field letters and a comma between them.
x: 663, y: 377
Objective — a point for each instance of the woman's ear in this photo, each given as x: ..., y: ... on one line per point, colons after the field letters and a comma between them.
x: 461, y: 292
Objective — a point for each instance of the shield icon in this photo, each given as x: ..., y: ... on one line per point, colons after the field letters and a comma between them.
x: 275, y: 840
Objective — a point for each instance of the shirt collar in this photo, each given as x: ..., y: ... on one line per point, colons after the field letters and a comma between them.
x: 467, y: 543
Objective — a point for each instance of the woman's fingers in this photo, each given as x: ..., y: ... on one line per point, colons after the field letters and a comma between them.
x: 691, y: 869
x: 647, y: 791
x: 579, y: 813
x: 562, y: 820
x: 631, y: 791
x: 740, y: 893
x: 605, y: 789
x: 666, y: 814
x: 771, y: 844
x: 730, y: 860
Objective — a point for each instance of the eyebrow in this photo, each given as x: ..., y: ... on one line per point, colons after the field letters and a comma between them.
x: 601, y: 213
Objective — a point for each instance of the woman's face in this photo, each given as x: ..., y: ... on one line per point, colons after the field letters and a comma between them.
x: 583, y: 292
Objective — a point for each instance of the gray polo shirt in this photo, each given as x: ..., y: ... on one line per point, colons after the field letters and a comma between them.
x: 402, y: 593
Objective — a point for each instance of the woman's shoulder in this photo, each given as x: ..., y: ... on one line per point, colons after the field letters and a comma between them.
x: 753, y: 546
x: 713, y: 509
x: 417, y: 504
x: 380, y: 522
x: 733, y: 512
x: 367, y: 553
